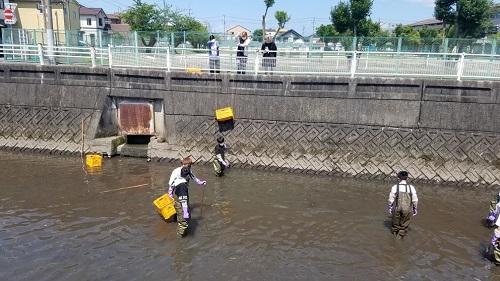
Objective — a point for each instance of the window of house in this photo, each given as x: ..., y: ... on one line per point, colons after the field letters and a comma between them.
x: 89, y: 21
x: 100, y: 21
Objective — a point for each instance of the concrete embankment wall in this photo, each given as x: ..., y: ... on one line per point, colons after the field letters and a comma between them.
x: 439, y: 130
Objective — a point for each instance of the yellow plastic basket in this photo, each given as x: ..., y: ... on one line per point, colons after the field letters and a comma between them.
x: 224, y: 114
x: 93, y: 160
x: 193, y: 70
x: 165, y: 206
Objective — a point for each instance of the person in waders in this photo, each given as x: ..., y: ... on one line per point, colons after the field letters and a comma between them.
x: 220, y: 162
x: 494, y: 211
x: 494, y: 248
x: 402, y: 205
x: 178, y: 190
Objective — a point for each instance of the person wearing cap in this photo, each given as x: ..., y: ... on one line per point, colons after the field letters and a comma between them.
x: 220, y: 162
x: 178, y: 190
x: 213, y: 55
x: 494, y: 213
x: 402, y: 205
x: 242, y: 53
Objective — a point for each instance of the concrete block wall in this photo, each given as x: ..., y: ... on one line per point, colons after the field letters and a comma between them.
x: 440, y: 130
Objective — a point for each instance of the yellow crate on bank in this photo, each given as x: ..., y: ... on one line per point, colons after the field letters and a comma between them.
x: 164, y: 205
x: 93, y: 160
x: 193, y: 70
x: 224, y: 114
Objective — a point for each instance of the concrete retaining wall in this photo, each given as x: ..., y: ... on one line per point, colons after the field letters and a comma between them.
x: 440, y: 130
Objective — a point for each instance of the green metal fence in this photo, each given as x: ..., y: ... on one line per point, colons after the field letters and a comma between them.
x: 199, y: 40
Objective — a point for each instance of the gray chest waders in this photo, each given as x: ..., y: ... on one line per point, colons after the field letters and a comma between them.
x: 404, y: 200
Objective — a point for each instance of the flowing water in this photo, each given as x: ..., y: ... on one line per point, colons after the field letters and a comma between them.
x: 59, y: 223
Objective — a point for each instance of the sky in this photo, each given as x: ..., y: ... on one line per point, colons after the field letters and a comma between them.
x: 304, y: 14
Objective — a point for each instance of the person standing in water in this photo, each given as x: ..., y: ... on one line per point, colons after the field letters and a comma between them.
x: 220, y: 162
x: 178, y: 190
x: 402, y: 205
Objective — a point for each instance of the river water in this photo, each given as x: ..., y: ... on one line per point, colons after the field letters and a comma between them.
x: 59, y: 223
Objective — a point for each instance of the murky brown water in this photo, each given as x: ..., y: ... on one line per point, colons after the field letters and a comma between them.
x: 57, y: 224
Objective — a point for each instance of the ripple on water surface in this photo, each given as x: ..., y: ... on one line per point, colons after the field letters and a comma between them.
x: 59, y: 223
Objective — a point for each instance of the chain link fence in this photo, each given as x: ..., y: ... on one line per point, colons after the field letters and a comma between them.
x: 198, y: 40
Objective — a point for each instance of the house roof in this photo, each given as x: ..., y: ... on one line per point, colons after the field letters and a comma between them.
x: 289, y: 32
x: 431, y: 21
x: 120, y: 27
x: 114, y: 16
x: 90, y: 11
x: 236, y: 26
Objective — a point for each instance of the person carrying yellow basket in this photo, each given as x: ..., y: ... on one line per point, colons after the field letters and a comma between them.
x: 179, y: 191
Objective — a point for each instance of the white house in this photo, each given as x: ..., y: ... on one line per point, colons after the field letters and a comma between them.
x: 93, y: 22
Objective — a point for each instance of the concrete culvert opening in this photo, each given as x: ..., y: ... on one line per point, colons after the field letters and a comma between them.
x: 138, y: 139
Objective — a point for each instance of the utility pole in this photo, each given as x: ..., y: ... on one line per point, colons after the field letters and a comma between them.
x: 314, y: 25
x: 49, y: 27
x: 224, y: 26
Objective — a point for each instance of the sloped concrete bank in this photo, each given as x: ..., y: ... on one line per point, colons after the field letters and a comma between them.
x: 442, y: 131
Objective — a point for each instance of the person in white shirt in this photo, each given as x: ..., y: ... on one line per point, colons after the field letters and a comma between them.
x: 402, y: 205
x: 178, y: 189
x: 176, y: 178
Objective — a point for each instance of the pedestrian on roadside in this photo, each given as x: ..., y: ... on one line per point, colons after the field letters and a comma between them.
x: 220, y: 162
x: 178, y: 190
x: 242, y: 53
x: 213, y: 54
x: 269, y: 53
x: 402, y: 205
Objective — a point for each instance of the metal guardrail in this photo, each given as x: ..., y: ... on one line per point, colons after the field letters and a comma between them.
x: 333, y: 63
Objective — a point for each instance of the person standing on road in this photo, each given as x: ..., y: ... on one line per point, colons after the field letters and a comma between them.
x: 220, y: 162
x: 242, y: 54
x: 178, y: 190
x: 213, y: 54
x: 269, y: 53
x: 402, y: 205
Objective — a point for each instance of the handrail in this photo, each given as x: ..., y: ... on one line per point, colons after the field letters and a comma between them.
x: 292, y: 62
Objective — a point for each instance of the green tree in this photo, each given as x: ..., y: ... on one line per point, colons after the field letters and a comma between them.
x: 196, y: 32
x: 146, y: 17
x: 327, y: 30
x: 340, y: 16
x: 470, y: 18
x: 269, y: 4
x: 352, y: 16
x: 282, y: 18
x: 409, y: 34
x: 257, y: 34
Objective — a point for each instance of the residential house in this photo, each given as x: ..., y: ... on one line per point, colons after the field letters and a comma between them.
x: 289, y: 36
x: 238, y: 29
x: 65, y: 17
x: 431, y: 23
x: 114, y: 19
x: 94, y: 24
x: 117, y: 25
